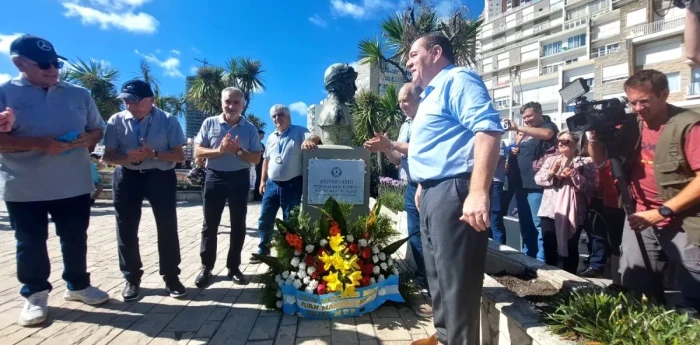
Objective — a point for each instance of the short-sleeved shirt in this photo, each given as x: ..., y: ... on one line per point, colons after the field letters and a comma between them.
x: 642, y: 179
x: 405, y: 137
x: 528, y: 150
x: 212, y: 133
x: 453, y: 107
x: 161, y: 131
x: 95, y: 173
x: 283, y: 153
x: 61, y: 109
x: 500, y: 174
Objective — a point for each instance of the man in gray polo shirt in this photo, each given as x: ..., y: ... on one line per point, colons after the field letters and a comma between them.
x: 231, y: 146
x: 45, y: 170
x: 281, y: 181
x: 146, y: 143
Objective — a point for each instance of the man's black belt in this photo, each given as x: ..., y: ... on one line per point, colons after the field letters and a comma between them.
x: 142, y: 171
x: 435, y: 182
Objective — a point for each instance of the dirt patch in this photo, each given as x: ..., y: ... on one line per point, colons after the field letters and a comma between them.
x: 528, y: 287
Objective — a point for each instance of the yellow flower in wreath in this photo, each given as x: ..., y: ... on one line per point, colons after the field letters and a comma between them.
x: 327, y: 260
x: 337, y: 243
x: 355, y: 278
x: 349, y: 291
x: 338, y: 261
x: 334, y: 284
x: 350, y: 264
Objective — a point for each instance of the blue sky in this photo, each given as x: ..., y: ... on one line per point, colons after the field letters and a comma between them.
x: 295, y: 39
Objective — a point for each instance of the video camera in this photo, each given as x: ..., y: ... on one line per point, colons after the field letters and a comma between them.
x: 604, y: 117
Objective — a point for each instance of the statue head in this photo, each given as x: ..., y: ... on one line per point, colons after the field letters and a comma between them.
x: 339, y: 80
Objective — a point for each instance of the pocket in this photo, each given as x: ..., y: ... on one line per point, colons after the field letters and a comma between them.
x: 691, y: 258
x: 673, y: 173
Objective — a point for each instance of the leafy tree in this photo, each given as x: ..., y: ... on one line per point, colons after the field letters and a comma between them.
x: 256, y: 121
x: 99, y: 79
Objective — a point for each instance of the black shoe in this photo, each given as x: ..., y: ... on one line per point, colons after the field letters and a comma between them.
x: 203, y: 278
x: 174, y: 287
x: 237, y: 276
x: 92, y: 202
x: 130, y: 292
x: 591, y: 272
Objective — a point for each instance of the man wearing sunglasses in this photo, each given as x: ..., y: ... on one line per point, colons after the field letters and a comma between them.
x: 45, y: 170
x: 281, y: 181
x: 145, y: 143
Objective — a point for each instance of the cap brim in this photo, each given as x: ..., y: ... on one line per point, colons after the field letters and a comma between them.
x: 129, y: 97
x: 61, y: 57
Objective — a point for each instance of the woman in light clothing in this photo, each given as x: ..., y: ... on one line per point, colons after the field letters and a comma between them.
x: 569, y: 180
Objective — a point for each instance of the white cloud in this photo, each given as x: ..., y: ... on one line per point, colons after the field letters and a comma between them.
x: 175, y: 51
x: 4, y: 77
x: 299, y: 108
x: 5, y: 41
x: 446, y: 8
x: 193, y: 70
x: 195, y: 50
x: 170, y: 66
x: 104, y: 63
x: 359, y: 10
x: 316, y: 19
x: 117, y: 14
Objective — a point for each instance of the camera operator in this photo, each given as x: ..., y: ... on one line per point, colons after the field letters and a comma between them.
x: 661, y: 173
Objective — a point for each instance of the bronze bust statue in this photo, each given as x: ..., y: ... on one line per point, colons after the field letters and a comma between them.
x: 334, y: 123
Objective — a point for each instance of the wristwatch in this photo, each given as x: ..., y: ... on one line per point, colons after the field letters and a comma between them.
x: 666, y: 211
x: 239, y: 152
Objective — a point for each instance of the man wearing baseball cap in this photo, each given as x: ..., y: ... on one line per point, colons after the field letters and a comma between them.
x: 145, y: 143
x: 45, y: 170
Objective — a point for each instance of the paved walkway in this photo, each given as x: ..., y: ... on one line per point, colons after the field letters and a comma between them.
x: 221, y: 314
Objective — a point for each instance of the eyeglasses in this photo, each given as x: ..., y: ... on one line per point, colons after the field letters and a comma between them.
x: 274, y: 116
x: 47, y: 65
x: 564, y: 142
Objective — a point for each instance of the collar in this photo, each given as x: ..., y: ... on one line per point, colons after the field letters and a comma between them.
x: 21, y: 80
x: 279, y: 134
x: 437, y: 80
x: 241, y: 122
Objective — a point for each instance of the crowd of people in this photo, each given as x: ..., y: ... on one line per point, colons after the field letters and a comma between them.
x: 461, y: 178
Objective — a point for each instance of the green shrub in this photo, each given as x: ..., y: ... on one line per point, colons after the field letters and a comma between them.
x: 605, y: 317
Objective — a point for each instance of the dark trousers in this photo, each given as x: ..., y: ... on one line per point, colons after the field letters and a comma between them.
x: 455, y: 255
x: 129, y: 189
x: 222, y: 186
x: 605, y: 233
x: 258, y: 175
x: 286, y: 194
x: 551, y: 253
x: 413, y: 223
x: 30, y: 222
x: 498, y: 211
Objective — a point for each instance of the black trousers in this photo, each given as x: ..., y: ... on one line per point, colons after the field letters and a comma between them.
x: 551, y: 253
x: 129, y: 189
x: 222, y: 186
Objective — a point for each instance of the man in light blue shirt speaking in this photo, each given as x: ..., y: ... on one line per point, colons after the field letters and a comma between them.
x: 281, y: 181
x: 453, y: 157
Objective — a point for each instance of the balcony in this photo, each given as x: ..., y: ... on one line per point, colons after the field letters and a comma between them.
x: 575, y: 23
x: 502, y: 103
x: 549, y: 69
x: 693, y: 90
x: 656, y: 27
x: 605, y: 52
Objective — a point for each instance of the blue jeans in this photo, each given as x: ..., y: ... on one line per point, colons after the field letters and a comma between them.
x: 30, y: 222
x: 498, y: 210
x: 413, y: 220
x: 286, y: 194
x: 529, y: 201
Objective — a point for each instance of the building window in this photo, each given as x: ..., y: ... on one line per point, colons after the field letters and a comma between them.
x: 576, y: 41
x: 551, y: 49
x: 674, y: 82
x: 615, y: 72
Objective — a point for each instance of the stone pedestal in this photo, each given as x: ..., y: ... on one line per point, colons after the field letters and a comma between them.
x: 339, y: 171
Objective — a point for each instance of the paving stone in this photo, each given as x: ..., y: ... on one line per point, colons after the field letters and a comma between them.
x: 321, y: 341
x: 314, y: 328
x: 390, y: 329
x: 265, y: 328
x: 286, y: 335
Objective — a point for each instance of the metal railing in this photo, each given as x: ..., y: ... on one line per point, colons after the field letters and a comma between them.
x: 605, y: 52
x: 571, y: 24
x: 526, y: 18
x: 658, y: 26
x: 694, y: 89
x: 543, y: 26
x: 549, y: 69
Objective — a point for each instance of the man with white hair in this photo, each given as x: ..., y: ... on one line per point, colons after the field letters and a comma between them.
x: 230, y: 145
x: 281, y: 181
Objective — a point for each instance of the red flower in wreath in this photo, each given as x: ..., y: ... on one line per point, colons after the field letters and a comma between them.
x: 366, y: 253
x: 294, y: 241
x: 353, y: 248
x: 368, y: 269
x: 335, y: 228
x: 310, y: 260
x: 366, y: 280
x: 321, y: 289
x: 314, y: 275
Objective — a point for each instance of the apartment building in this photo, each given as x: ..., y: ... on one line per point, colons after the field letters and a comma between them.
x: 529, y: 52
x: 372, y: 79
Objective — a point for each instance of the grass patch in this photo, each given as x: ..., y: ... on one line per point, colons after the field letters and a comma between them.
x: 391, y: 193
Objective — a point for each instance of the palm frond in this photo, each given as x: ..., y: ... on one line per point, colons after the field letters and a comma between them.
x: 205, y: 93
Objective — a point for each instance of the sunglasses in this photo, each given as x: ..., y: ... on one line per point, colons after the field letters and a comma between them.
x: 47, y: 65
x: 564, y: 142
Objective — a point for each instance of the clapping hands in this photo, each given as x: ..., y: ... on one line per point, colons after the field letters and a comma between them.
x: 7, y: 119
x: 229, y: 145
x: 141, y: 154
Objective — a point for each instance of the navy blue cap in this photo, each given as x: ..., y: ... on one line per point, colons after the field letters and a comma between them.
x: 34, y: 48
x: 135, y: 90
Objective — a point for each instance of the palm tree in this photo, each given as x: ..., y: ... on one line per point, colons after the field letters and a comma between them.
x: 245, y: 74
x: 99, y: 79
x: 256, y: 121
x: 399, y: 32
x: 205, y: 93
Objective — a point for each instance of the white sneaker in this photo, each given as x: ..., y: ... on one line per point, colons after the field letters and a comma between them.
x: 35, y: 310
x: 90, y: 295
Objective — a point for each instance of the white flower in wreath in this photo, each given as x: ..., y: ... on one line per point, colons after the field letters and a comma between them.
x: 297, y: 252
x: 306, y: 280
x: 297, y: 284
x: 373, y: 281
x: 362, y: 242
x: 382, y: 256
x: 278, y: 278
x: 289, y: 281
x: 376, y: 270
x: 279, y: 304
x: 292, y: 274
x: 313, y: 284
x: 279, y: 294
x: 323, y: 242
x: 381, y: 278
x: 280, y: 283
x: 309, y: 289
x: 309, y: 248
x: 310, y: 270
x: 290, y: 299
x: 375, y: 250
x: 301, y: 274
x: 396, y: 271
x: 390, y: 262
x: 285, y: 274
x: 295, y: 262
x: 350, y: 238
x: 375, y: 259
x: 384, y: 266
x: 302, y: 266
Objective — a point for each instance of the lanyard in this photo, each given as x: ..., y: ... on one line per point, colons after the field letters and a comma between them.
x: 284, y: 139
x: 408, y: 131
x: 137, y: 130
